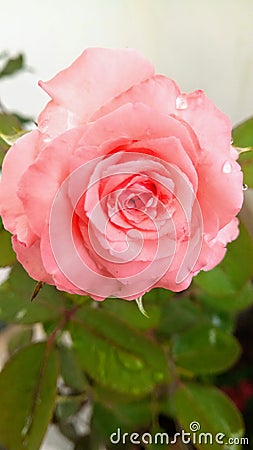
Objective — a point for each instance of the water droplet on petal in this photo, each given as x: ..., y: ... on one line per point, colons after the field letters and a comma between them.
x: 181, y: 103
x: 245, y: 187
x: 227, y: 168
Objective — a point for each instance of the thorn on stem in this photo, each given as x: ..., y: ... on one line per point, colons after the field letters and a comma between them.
x: 141, y: 307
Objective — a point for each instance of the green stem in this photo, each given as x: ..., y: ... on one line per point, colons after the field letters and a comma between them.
x: 50, y: 342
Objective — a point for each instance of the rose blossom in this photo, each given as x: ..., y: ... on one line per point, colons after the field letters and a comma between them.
x: 127, y: 184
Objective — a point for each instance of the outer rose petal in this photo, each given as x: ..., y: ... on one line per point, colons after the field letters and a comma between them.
x: 38, y: 186
x: 55, y: 119
x: 212, y: 126
x: 30, y: 258
x: 169, y: 279
x: 219, y: 191
x: 16, y: 162
x: 228, y: 233
x: 93, y: 79
x: 61, y: 281
x: 164, y: 100
x: 218, y: 246
x: 213, y: 250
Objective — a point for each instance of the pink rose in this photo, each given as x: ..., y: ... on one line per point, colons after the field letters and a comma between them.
x: 126, y: 185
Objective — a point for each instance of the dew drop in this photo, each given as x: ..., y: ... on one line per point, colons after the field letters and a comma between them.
x: 227, y: 168
x: 181, y: 103
x: 212, y: 337
x: 158, y: 377
x: 130, y: 362
x: 216, y: 321
x: 245, y: 187
x: 38, y: 401
x: 27, y: 426
x: 21, y: 314
x: 149, y: 202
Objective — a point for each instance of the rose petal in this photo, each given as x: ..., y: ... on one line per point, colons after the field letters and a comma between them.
x: 93, y: 79
x: 212, y: 126
x: 172, y: 151
x: 38, y: 186
x: 30, y: 258
x: 137, y: 122
x: 18, y: 159
x: 164, y: 100
x: 219, y: 191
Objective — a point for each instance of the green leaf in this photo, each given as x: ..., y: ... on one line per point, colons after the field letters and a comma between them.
x: 215, y: 282
x: 70, y: 369
x: 130, y: 314
x: 24, y: 120
x: 238, y: 262
x: 232, y: 303
x: 213, y: 411
x: 20, y: 339
x: 110, y: 416
x: 205, y: 350
x: 116, y: 355
x: 246, y: 162
x: 28, y: 390
x: 157, y: 295
x: 9, y: 125
x: 10, y: 139
x: 15, y: 304
x: 2, y: 155
x: 7, y: 255
x: 68, y: 430
x: 243, y: 134
x: 12, y: 66
x: 128, y: 416
x: 66, y: 407
x: 243, y: 137
x: 178, y: 315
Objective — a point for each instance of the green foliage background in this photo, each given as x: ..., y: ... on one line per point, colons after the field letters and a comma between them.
x: 139, y: 374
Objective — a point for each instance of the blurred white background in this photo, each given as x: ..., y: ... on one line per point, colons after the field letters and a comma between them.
x: 202, y: 44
